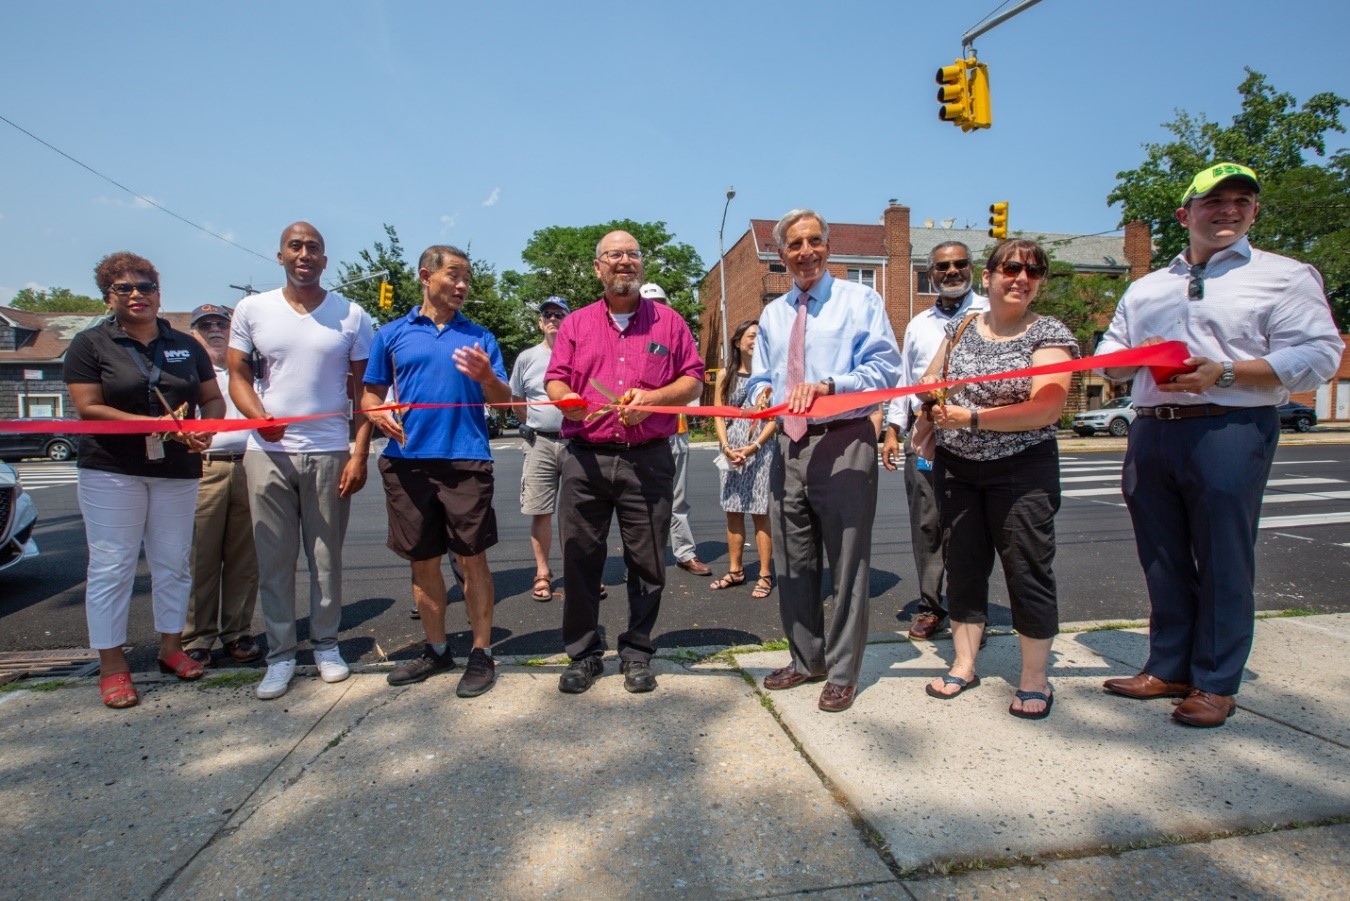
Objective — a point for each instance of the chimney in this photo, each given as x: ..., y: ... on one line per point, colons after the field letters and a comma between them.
x: 1138, y: 249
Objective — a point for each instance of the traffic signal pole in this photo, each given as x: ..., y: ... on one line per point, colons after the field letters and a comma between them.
x: 963, y: 87
x: 968, y: 39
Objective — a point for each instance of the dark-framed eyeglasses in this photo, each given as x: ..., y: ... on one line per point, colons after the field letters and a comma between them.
x: 124, y: 289
x: 554, y: 315
x: 1014, y: 268
x: 944, y: 265
x: 1195, y: 289
x: 614, y: 256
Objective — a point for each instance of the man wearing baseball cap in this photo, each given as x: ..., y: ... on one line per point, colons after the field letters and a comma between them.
x: 1258, y: 327
x: 224, y: 562
x: 541, y: 427
x: 681, y: 535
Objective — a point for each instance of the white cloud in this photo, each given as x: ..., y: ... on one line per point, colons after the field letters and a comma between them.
x: 447, y: 223
x: 492, y: 198
x: 134, y: 203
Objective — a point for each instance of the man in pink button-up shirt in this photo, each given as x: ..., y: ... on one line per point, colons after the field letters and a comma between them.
x: 618, y: 459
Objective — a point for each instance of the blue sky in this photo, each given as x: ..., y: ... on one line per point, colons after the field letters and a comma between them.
x: 478, y: 123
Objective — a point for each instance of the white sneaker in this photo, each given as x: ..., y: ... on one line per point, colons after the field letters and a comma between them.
x: 332, y: 668
x: 277, y: 680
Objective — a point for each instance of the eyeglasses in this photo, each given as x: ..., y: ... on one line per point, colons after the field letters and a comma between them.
x: 1013, y: 268
x: 124, y: 289
x: 613, y: 256
x: 556, y: 317
x: 213, y: 325
x: 944, y: 265
x: 1195, y: 290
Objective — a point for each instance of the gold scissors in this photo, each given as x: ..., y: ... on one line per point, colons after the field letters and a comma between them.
x: 173, y: 414
x: 607, y: 408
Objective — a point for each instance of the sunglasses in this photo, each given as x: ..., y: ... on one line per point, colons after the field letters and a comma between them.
x: 557, y: 317
x: 124, y: 289
x: 1013, y: 268
x: 1195, y: 289
x: 944, y: 265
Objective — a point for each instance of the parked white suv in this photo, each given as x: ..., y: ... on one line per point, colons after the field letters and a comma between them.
x: 1114, y: 418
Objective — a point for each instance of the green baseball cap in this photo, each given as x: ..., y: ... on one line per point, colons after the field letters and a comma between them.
x: 1208, y: 179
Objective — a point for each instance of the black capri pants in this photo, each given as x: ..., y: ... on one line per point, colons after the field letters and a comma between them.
x: 1006, y: 506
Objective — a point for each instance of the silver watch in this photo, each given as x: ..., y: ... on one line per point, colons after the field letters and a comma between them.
x: 1226, y: 380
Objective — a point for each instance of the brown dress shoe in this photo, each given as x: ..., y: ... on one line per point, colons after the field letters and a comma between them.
x: 836, y: 698
x: 787, y: 677
x: 244, y: 650
x: 1145, y: 687
x: 695, y: 566
x: 926, y: 625
x: 1204, y: 710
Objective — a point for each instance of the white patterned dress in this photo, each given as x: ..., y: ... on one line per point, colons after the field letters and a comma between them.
x: 745, y: 489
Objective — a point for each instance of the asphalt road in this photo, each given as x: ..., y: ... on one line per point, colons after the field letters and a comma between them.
x: 1303, y: 561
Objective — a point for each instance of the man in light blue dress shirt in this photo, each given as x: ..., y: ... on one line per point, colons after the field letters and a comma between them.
x: 824, y: 487
x: 1258, y: 327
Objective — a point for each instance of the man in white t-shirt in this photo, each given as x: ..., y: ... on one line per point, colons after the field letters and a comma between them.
x: 302, y: 476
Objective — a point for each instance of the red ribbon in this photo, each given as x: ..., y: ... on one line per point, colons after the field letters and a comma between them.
x: 1163, y: 360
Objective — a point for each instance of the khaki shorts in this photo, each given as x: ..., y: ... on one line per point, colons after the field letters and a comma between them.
x: 539, y: 480
x: 437, y: 506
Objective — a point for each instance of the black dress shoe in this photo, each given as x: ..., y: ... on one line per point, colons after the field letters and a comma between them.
x: 580, y: 675
x: 638, y: 676
x: 200, y: 655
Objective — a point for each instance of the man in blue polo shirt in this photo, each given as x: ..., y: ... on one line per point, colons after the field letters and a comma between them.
x: 437, y: 467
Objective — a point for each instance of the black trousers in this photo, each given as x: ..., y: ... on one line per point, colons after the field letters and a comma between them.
x: 637, y: 486
x: 1008, y: 507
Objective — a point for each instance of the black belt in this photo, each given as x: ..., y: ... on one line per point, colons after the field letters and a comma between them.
x: 820, y: 428
x: 1188, y: 411
x: 223, y: 458
x: 614, y: 447
x: 556, y: 436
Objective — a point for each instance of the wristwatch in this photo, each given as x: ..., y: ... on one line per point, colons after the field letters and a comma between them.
x: 829, y: 385
x: 1226, y: 380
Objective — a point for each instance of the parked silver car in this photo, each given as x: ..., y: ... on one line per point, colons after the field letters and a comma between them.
x: 18, y: 516
x: 1114, y: 418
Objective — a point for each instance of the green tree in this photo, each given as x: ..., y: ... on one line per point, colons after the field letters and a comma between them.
x: 1305, y: 208
x: 561, y: 260
x: 56, y: 300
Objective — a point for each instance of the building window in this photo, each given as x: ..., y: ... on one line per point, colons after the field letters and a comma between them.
x: 41, y: 406
x: 777, y: 267
x: 867, y: 277
x: 925, y: 286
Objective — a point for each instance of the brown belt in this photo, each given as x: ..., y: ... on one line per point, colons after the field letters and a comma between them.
x: 1188, y: 411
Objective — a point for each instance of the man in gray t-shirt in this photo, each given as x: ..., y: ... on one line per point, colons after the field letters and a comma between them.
x: 541, y: 427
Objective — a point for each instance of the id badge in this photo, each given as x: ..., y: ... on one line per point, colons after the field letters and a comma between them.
x: 923, y: 465
x: 154, y: 448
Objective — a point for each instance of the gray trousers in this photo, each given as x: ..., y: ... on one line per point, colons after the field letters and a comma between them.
x: 925, y: 533
x: 295, y: 498
x: 681, y: 536
x: 823, y: 499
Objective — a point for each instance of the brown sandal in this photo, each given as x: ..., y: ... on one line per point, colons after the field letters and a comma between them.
x: 730, y: 580
x: 763, y: 587
x: 543, y: 587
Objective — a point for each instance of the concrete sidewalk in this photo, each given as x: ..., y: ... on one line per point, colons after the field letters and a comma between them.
x: 708, y: 787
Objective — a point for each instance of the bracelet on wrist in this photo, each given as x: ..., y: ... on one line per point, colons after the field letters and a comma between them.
x: 974, y: 419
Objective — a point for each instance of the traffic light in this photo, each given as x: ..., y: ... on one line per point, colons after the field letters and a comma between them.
x: 981, y: 114
x: 998, y: 220
x: 954, y: 93
x: 386, y: 296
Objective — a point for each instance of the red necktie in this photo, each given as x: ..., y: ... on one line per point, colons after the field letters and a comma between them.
x: 795, y: 426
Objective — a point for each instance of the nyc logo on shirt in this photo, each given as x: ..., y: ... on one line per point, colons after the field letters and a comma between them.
x: 177, y: 355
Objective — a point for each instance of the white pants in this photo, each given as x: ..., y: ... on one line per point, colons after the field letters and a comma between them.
x: 120, y: 513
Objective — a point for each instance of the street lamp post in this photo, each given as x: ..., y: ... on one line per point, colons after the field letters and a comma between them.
x: 722, y: 272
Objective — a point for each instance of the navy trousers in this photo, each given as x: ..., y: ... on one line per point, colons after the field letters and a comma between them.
x: 1194, y: 489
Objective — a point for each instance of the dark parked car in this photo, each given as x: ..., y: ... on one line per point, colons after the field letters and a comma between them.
x: 52, y: 445
x: 1297, y: 417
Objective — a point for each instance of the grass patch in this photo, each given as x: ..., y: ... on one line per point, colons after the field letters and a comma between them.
x: 230, y: 680
x: 1287, y: 614
x: 43, y: 685
x: 539, y: 661
x: 1114, y: 627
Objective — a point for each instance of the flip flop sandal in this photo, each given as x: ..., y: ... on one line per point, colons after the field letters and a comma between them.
x: 1025, y: 696
x: 763, y: 587
x: 542, y: 590
x: 118, y: 691
x: 962, y: 686
x: 182, y: 666
x: 730, y: 580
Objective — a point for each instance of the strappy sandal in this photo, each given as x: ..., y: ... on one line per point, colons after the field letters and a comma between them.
x: 182, y: 666
x: 763, y: 587
x: 730, y: 580
x: 118, y: 691
x: 542, y: 590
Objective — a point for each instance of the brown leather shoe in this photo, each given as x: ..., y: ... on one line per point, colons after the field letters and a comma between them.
x: 244, y: 650
x: 926, y: 625
x: 1204, y: 710
x: 836, y: 698
x: 1145, y: 687
x: 787, y: 677
x: 695, y: 566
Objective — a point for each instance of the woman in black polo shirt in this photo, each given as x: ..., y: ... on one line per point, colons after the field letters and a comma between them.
x: 138, y: 489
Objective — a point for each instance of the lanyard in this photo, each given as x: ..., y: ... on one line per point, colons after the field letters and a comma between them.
x: 151, y: 374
